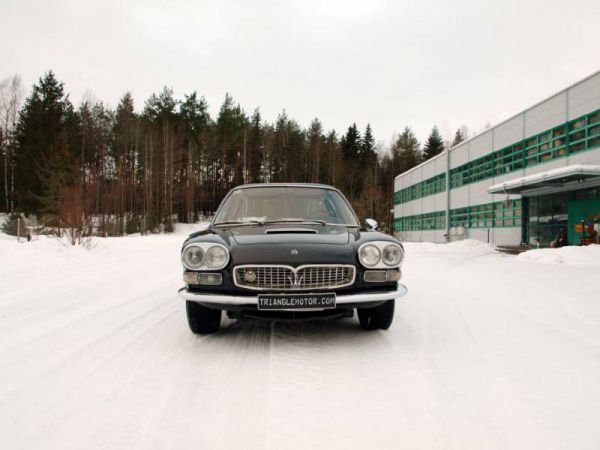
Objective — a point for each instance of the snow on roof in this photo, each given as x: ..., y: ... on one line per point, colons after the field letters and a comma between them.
x: 538, y: 179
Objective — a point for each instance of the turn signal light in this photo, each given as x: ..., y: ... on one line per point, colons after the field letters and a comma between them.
x: 376, y: 276
x: 190, y: 277
x: 210, y: 279
x: 382, y: 276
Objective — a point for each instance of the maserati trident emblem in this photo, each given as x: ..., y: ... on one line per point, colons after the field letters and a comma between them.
x: 294, y: 252
x: 296, y: 280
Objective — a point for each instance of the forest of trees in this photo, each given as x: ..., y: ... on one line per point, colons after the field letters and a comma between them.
x: 112, y: 172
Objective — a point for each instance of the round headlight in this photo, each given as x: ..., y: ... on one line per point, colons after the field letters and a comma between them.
x: 392, y: 255
x: 192, y: 257
x: 369, y: 255
x: 217, y: 257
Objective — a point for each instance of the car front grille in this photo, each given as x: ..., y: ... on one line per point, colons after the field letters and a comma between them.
x: 287, y: 278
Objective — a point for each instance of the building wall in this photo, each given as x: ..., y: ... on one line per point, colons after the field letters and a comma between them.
x: 549, y: 115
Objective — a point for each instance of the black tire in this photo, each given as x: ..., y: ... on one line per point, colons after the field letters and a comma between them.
x: 378, y: 318
x: 202, y: 320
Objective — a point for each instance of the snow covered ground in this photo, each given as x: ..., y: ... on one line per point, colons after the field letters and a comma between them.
x: 487, y: 351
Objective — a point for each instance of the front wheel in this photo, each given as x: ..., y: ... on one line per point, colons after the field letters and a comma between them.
x: 378, y: 318
x: 202, y: 320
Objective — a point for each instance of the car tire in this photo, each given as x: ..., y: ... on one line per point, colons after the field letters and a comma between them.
x: 378, y: 318
x: 202, y: 320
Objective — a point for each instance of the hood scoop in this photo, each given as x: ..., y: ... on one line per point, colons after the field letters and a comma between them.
x: 260, y: 235
x: 290, y: 231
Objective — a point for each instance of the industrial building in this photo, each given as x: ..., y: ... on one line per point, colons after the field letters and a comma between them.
x: 519, y: 182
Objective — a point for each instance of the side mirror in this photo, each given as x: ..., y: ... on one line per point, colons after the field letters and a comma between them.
x: 372, y: 224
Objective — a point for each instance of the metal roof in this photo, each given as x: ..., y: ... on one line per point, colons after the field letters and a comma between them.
x: 305, y: 185
x: 555, y: 178
x: 491, y: 129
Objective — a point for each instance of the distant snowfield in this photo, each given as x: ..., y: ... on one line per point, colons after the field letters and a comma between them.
x: 487, y: 351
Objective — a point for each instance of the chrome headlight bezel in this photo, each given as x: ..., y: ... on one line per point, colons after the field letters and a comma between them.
x: 185, y: 251
x: 399, y: 255
x: 381, y: 246
x: 220, y: 265
x: 205, y: 247
x: 362, y: 255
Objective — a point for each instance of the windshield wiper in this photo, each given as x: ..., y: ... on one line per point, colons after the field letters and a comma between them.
x: 320, y: 222
x: 237, y: 222
x: 273, y: 221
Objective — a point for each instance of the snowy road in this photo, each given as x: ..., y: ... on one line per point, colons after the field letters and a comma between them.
x: 486, y: 351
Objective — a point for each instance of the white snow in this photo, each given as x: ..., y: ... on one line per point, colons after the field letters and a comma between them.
x: 486, y: 352
x: 574, y: 255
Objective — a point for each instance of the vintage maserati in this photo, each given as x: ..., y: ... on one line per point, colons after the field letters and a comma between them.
x: 290, y: 252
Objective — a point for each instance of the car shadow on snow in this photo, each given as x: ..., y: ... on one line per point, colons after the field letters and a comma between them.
x: 337, y: 335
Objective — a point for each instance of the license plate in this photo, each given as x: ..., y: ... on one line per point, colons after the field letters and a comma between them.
x: 296, y: 301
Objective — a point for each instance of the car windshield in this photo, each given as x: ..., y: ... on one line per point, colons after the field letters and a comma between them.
x: 285, y: 204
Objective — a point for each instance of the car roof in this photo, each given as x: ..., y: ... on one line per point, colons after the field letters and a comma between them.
x: 301, y: 185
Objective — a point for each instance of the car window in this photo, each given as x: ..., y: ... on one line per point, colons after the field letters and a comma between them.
x: 291, y: 203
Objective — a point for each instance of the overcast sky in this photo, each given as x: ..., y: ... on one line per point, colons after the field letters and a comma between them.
x: 390, y: 63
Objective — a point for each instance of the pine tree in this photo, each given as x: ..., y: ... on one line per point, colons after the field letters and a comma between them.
x: 46, y: 118
x: 161, y: 117
x: 351, y: 143
x: 352, y: 181
x: 58, y: 173
x: 406, y: 153
x: 279, y: 149
x: 127, y: 161
x: 368, y: 157
x: 315, y: 145
x: 297, y: 158
x: 334, y: 160
x: 434, y: 144
x: 230, y: 126
x: 458, y: 137
x: 196, y: 120
x: 255, y: 148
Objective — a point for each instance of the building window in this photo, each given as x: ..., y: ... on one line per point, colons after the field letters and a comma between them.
x: 489, y: 215
x: 425, y: 188
x: 580, y: 134
x: 429, y: 221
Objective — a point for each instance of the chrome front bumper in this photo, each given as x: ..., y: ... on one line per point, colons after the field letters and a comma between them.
x: 365, y: 297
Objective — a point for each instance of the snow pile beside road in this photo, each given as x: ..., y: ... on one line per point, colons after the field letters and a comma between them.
x: 587, y: 256
x: 45, y: 252
x: 186, y: 229
x: 463, y: 246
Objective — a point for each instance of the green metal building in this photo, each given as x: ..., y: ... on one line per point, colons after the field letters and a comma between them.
x: 518, y: 182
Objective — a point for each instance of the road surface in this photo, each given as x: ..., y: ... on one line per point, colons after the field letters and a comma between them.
x: 486, y: 351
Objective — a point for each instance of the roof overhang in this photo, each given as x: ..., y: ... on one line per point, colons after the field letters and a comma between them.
x: 552, y: 179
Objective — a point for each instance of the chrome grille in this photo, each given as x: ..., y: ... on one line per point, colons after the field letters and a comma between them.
x: 276, y: 277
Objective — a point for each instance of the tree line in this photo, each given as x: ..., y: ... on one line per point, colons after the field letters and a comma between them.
x: 104, y: 171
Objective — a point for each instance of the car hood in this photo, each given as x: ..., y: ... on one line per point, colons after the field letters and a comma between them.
x: 289, y: 234
x: 290, y: 243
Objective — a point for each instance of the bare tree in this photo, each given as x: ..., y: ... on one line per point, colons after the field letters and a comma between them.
x: 11, y: 98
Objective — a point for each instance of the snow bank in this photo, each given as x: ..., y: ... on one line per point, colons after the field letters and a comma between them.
x: 463, y: 246
x: 47, y: 251
x: 186, y: 229
x: 588, y: 256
